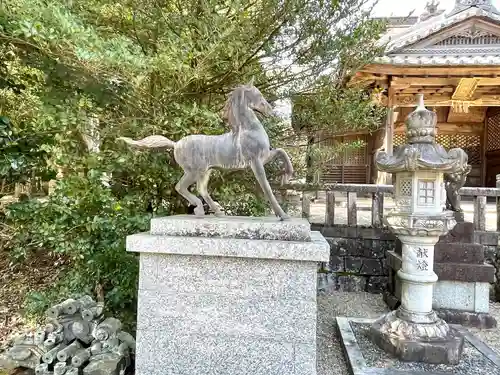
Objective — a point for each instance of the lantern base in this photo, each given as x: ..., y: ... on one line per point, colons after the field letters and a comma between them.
x: 434, y: 343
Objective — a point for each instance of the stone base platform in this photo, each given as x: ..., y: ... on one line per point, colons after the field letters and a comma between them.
x: 227, y: 296
x: 401, y: 338
x: 366, y: 358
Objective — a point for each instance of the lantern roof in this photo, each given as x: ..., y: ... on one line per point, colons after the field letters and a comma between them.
x: 422, y: 152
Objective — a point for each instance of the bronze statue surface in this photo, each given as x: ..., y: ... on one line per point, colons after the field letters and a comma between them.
x: 245, y: 146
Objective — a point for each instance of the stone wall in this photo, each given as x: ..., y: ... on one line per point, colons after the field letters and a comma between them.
x: 358, y: 257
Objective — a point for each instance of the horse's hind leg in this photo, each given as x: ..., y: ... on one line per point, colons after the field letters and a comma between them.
x: 182, y: 188
x: 202, y: 186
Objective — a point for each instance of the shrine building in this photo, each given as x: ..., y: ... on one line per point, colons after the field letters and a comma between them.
x: 453, y: 58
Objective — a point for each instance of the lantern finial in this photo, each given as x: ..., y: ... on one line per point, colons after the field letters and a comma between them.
x: 421, y: 124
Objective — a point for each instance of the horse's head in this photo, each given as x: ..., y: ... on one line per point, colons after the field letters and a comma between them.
x: 246, y: 96
x: 255, y: 100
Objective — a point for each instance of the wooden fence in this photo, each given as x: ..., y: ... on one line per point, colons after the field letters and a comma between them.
x: 378, y: 193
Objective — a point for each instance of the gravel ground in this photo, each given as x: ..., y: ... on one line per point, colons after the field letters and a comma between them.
x: 331, y: 359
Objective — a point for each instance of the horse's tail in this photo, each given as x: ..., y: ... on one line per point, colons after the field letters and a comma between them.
x: 156, y: 142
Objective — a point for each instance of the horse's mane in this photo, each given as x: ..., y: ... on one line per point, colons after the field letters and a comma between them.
x: 234, y: 101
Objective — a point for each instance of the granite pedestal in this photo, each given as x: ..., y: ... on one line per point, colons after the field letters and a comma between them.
x: 227, y: 296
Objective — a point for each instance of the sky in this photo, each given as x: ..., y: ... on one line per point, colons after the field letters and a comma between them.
x: 403, y: 7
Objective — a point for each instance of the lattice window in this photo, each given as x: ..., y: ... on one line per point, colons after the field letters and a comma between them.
x: 426, y: 192
x: 493, y: 143
x: 399, y: 139
x: 356, y: 156
x: 470, y: 143
x: 470, y: 37
x: 350, y: 156
x: 405, y: 188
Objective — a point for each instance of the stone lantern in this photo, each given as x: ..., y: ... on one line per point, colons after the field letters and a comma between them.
x: 414, y: 332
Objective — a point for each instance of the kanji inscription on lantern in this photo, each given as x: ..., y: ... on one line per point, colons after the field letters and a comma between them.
x: 422, y: 261
x: 422, y: 253
x: 422, y: 265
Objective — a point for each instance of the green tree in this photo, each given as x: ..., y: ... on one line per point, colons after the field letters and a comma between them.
x: 151, y: 67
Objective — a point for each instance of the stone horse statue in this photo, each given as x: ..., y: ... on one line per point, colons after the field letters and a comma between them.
x: 245, y: 146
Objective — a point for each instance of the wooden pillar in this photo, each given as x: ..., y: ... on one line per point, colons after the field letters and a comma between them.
x: 389, y: 128
x: 484, y: 145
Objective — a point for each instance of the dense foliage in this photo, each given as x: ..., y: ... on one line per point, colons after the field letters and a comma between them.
x: 75, y: 75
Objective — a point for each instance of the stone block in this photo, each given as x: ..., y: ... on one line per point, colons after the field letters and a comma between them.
x: 459, y: 253
x: 371, y: 267
x: 338, y: 246
x: 162, y: 353
x: 238, y: 277
x: 482, y: 273
x: 412, y: 348
x: 352, y: 283
x: 315, y: 251
x: 462, y: 232
x: 377, y: 284
x: 336, y: 264
x: 287, y: 320
x: 353, y: 264
x: 458, y: 287
x: 235, y: 303
x: 463, y: 296
x: 255, y: 228
x: 467, y: 319
x: 327, y: 283
x: 486, y: 238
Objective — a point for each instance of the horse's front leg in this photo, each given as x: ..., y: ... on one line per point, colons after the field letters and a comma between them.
x: 279, y: 152
x: 260, y: 174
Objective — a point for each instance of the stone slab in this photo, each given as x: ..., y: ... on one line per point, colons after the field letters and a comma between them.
x: 253, y: 228
x: 477, y: 273
x: 264, y: 318
x: 463, y: 318
x: 451, y: 294
x: 365, y: 358
x: 317, y: 250
x: 467, y: 319
x: 162, y: 354
x: 235, y: 277
x: 459, y: 253
x: 465, y: 296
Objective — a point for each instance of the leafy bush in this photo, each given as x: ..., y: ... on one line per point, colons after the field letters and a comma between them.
x: 83, y: 222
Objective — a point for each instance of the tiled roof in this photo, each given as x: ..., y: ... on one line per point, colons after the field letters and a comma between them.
x: 433, y: 25
x: 398, y: 54
x: 440, y: 60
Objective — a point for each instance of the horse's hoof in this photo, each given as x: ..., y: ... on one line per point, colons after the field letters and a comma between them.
x: 219, y: 213
x: 199, y: 211
x: 284, y: 218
